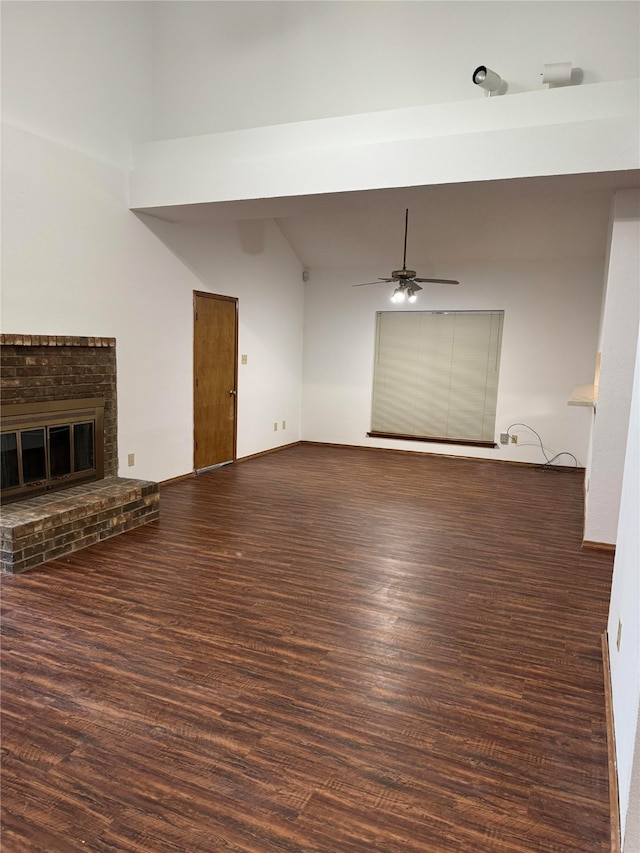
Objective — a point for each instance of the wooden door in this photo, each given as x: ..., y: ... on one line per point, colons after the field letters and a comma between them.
x: 215, y: 336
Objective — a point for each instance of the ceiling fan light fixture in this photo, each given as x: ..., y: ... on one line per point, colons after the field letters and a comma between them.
x: 398, y: 294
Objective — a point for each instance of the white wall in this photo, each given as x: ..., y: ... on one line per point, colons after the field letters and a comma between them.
x: 542, y: 293
x: 625, y: 607
x: 252, y: 261
x: 618, y: 340
x: 79, y: 73
x: 225, y: 66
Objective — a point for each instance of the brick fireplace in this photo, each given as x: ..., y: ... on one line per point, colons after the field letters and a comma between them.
x: 45, y: 369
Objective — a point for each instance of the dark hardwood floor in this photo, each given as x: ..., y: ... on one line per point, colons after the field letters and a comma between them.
x: 323, y: 649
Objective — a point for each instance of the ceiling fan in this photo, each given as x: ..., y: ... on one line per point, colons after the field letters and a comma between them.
x: 407, y: 280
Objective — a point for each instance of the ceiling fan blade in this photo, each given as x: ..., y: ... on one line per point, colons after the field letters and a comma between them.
x: 405, y: 278
x: 367, y: 283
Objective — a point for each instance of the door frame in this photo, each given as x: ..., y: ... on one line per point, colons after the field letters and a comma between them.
x: 220, y: 298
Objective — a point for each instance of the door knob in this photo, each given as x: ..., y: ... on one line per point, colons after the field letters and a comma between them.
x: 232, y: 393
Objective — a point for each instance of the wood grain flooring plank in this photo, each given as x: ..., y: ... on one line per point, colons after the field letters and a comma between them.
x: 323, y: 650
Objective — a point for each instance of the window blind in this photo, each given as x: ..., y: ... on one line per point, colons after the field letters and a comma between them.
x: 436, y: 375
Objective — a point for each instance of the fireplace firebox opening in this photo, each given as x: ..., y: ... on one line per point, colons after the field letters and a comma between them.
x: 50, y: 445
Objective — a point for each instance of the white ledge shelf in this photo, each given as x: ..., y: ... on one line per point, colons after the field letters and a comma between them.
x: 583, y: 395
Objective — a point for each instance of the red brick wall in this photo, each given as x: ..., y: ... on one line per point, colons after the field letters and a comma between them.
x: 54, y: 367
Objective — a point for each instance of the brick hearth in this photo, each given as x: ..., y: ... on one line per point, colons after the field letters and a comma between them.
x: 49, y: 526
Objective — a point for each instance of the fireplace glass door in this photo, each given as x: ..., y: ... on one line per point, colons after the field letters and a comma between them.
x: 43, y: 451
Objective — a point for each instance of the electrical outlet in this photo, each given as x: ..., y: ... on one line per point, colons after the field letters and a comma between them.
x: 514, y: 439
x: 504, y: 438
x: 275, y: 426
x: 284, y: 424
x: 619, y: 636
x: 131, y: 460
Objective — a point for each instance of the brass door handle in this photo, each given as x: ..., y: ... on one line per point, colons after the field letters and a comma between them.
x: 232, y: 393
